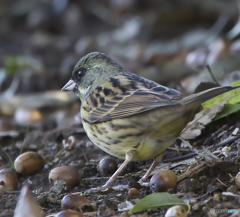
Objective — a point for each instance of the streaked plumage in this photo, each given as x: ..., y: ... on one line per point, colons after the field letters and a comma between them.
x: 129, y: 116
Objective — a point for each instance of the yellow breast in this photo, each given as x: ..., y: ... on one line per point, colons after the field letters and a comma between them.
x: 148, y: 133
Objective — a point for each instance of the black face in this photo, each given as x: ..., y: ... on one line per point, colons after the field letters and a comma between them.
x: 78, y: 75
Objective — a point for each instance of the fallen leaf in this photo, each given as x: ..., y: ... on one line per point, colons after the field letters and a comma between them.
x: 26, y: 206
x: 232, y: 104
x: 158, y: 200
x: 201, y: 119
x: 235, y: 83
x: 125, y: 206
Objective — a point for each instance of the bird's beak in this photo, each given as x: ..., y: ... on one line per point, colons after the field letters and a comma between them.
x: 69, y: 86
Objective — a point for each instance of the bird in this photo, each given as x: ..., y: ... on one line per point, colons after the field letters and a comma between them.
x: 129, y: 116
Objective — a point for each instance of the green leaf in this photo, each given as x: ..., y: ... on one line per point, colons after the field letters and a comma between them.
x: 227, y: 110
x: 11, y: 64
x: 235, y: 83
x: 232, y: 104
x: 158, y: 200
x: 25, y: 137
x: 233, y: 94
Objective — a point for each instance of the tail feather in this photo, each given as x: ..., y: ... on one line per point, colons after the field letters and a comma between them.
x: 193, y: 102
x: 207, y: 94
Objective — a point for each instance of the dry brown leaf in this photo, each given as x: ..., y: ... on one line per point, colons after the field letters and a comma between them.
x: 26, y: 205
x: 201, y: 119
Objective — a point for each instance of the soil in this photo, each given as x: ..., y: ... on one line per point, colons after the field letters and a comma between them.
x: 41, y: 41
x: 203, y: 189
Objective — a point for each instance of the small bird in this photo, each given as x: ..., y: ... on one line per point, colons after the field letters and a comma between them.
x: 129, y: 116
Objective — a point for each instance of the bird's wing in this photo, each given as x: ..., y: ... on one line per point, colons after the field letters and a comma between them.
x: 125, y: 95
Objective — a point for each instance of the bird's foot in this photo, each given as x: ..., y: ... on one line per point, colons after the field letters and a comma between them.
x: 98, y: 189
x: 106, y: 188
x: 143, y: 182
x: 120, y: 187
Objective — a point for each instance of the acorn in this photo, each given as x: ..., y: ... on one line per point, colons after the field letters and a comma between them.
x: 29, y: 163
x: 133, y: 192
x: 8, y: 180
x: 68, y: 174
x: 69, y: 213
x: 74, y: 202
x: 107, y: 166
x: 176, y: 211
x: 237, y: 180
x: 163, y: 180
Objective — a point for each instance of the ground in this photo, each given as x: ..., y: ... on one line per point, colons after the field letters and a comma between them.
x: 170, y: 42
x: 204, y: 188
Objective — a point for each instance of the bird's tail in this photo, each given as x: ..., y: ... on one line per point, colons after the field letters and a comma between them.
x: 206, y: 95
x: 194, y: 101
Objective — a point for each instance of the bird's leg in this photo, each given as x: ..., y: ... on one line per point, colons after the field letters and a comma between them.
x: 109, y: 184
x: 157, y: 160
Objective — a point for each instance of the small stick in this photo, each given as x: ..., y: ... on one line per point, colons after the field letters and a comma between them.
x: 180, y: 158
x: 214, y: 79
x: 221, y: 182
x: 230, y: 139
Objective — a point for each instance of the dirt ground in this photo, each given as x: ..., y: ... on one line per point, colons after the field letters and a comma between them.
x: 170, y: 42
x: 212, y: 185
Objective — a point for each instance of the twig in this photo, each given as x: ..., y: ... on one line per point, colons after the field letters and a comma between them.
x: 193, y: 171
x: 221, y: 182
x: 204, y: 195
x: 210, y: 139
x: 98, y: 178
x: 183, y: 157
x: 176, y: 149
x: 230, y: 139
x: 214, y: 79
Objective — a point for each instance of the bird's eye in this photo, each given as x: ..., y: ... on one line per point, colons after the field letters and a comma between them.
x: 79, y: 74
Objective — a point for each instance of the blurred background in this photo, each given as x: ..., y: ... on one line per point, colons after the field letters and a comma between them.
x: 170, y: 42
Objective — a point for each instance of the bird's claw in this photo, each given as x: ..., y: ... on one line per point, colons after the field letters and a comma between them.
x: 143, y: 182
x: 98, y: 189
x: 107, y: 188
x: 120, y: 187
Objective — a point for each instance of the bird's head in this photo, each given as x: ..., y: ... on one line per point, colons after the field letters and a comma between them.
x: 90, y: 71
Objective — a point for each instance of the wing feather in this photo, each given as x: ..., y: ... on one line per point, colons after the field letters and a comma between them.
x: 133, y: 96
